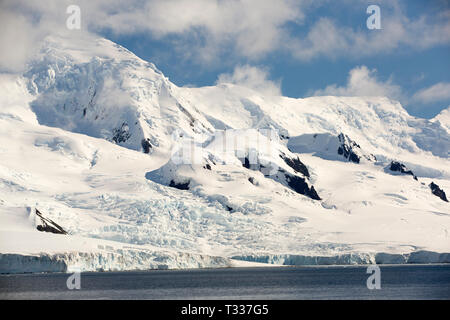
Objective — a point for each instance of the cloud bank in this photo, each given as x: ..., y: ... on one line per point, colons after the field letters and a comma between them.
x: 207, y: 31
x: 363, y: 82
x: 438, y: 92
x: 252, y: 77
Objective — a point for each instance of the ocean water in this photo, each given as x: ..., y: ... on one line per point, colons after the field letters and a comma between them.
x: 321, y: 282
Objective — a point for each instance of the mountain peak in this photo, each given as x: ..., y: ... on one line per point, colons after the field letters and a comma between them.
x: 81, y: 48
x: 444, y: 118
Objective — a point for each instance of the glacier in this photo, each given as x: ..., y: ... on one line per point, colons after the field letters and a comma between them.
x: 144, y: 174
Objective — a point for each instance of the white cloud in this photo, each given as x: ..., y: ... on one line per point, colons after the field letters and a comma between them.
x: 363, y: 82
x: 438, y: 92
x: 252, y: 77
x: 332, y: 39
x: 16, y: 41
x: 23, y: 27
x: 205, y: 31
x: 250, y: 28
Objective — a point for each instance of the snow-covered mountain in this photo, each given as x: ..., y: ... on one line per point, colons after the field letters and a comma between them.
x: 144, y: 174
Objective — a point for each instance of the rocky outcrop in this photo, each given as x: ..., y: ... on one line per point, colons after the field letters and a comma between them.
x: 180, y: 186
x: 299, y: 185
x: 48, y: 225
x: 121, y: 134
x: 438, y: 192
x: 146, y: 145
x: 295, y: 164
x: 330, y: 147
x: 296, y: 182
x: 350, y: 150
x: 400, y: 167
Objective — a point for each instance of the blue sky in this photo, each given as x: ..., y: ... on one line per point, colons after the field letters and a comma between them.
x: 297, y: 48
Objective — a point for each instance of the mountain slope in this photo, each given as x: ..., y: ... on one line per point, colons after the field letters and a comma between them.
x: 113, y: 95
x: 103, y: 144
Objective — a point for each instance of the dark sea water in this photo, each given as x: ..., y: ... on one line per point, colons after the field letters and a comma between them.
x: 323, y: 282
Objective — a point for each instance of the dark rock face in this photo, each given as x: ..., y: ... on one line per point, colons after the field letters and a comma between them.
x: 438, y: 192
x: 346, y: 148
x: 121, y: 134
x: 246, y: 163
x: 348, y: 154
x: 181, y: 186
x: 146, y: 145
x: 400, y: 167
x: 47, y: 228
x: 299, y: 185
x: 296, y: 183
x: 295, y: 164
x: 187, y: 113
x: 349, y: 149
x: 49, y: 225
